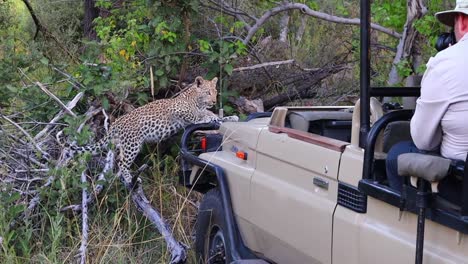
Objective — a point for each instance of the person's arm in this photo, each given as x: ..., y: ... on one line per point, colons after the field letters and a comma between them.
x: 426, y: 130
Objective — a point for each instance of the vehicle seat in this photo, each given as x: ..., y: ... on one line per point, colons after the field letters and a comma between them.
x: 332, y: 124
x: 396, y: 132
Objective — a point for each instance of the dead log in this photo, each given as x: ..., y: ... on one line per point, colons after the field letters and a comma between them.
x: 246, y: 106
x: 301, y: 86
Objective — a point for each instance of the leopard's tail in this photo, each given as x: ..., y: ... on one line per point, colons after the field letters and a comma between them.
x: 93, y: 148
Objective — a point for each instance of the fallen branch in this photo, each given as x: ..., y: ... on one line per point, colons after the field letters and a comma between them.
x: 109, y: 165
x: 33, y: 203
x: 262, y: 65
x: 32, y: 170
x: 84, y: 217
x: 307, y: 80
x: 51, y: 95
x: 178, y: 251
x: 70, y: 105
x: 33, y: 160
x: 31, y: 139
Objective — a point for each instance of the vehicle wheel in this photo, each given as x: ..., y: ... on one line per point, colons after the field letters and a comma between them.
x: 211, y: 243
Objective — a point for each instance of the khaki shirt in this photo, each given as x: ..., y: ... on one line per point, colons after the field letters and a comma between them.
x: 441, y: 115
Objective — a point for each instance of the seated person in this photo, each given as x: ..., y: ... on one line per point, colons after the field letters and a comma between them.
x: 440, y: 121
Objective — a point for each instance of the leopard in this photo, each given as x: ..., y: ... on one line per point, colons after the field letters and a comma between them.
x: 156, y: 122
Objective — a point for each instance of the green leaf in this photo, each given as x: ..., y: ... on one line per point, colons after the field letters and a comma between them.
x: 44, y: 61
x: 105, y: 103
x: 228, y: 68
x: 159, y: 72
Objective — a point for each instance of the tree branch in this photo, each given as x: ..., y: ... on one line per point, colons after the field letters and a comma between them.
x: 320, y: 15
x: 51, y: 95
x: 70, y: 105
x: 84, y: 217
x: 262, y: 65
x: 31, y: 139
x: 178, y: 252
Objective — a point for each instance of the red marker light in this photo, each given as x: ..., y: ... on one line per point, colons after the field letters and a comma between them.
x: 203, y: 143
x: 241, y: 155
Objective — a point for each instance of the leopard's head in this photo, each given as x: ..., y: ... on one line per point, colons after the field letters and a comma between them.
x: 206, y: 91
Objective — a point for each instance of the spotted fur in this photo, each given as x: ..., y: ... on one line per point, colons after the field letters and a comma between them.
x: 157, y: 121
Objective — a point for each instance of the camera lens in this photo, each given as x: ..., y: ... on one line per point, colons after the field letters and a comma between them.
x: 445, y: 40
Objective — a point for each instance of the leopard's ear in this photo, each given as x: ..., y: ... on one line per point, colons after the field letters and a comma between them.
x: 215, y: 80
x: 199, y: 81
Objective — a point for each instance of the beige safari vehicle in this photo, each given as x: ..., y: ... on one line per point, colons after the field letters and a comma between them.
x: 308, y: 185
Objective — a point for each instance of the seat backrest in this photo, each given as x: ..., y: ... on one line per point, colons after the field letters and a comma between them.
x: 396, y: 132
x: 300, y: 120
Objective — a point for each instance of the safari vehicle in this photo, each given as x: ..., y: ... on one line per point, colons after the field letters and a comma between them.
x: 308, y: 185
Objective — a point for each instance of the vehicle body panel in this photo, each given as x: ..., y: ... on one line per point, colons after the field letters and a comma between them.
x: 381, y: 235
x: 283, y: 192
x: 284, y: 218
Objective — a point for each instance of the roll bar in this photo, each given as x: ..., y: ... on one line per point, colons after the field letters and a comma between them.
x: 365, y: 72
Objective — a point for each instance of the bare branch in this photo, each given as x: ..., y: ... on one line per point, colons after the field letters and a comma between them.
x: 262, y: 65
x: 228, y: 10
x: 51, y: 95
x: 109, y: 165
x: 70, y: 105
x: 71, y: 79
x: 31, y: 139
x: 84, y: 217
x: 32, y: 170
x: 178, y: 251
x: 320, y: 15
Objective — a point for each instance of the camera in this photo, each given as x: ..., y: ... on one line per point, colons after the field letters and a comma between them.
x: 445, y: 40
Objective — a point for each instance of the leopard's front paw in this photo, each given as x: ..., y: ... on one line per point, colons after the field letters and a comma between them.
x: 230, y: 119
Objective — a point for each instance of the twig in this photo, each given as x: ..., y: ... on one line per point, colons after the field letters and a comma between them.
x: 152, y: 82
x: 32, y: 170
x: 45, y: 154
x: 71, y: 80
x: 51, y: 95
x: 262, y: 65
x: 70, y: 105
x: 25, y: 180
x: 33, y: 160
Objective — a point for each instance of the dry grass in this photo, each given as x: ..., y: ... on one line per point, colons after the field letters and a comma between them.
x: 118, y: 232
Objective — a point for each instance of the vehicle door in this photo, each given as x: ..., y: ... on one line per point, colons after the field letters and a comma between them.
x: 294, y: 195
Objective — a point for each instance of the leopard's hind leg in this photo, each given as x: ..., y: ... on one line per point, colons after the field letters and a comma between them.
x: 128, y: 151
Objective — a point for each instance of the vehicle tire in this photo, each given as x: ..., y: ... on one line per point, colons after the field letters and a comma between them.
x: 210, y: 243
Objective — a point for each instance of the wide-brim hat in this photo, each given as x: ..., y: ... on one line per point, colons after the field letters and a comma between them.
x: 448, y: 17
